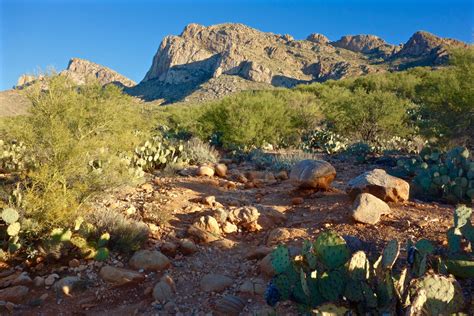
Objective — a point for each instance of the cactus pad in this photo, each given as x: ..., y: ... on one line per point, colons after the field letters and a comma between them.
x: 443, y: 294
x: 454, y: 241
x: 308, y: 255
x: 13, y: 229
x: 330, y: 309
x: 102, y: 254
x: 359, y: 266
x: 424, y: 247
x: 390, y: 254
x: 462, y: 215
x: 331, y: 250
x: 10, y: 215
x: 331, y: 285
x: 283, y: 285
x: 281, y: 259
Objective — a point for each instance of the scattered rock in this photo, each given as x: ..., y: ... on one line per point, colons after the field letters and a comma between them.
x: 258, y: 253
x: 162, y: 292
x: 266, y: 266
x: 282, y: 175
x: 220, y: 215
x: 314, y: 174
x: 206, y: 229
x: 223, y: 243
x: 22, y: 279
x: 380, y: 184
x: 15, y: 294
x: 74, y: 263
x: 209, y: 200
x: 67, y: 284
x: 50, y: 279
x: 253, y: 287
x: 187, y: 247
x: 147, y: 187
x: 246, y: 216
x: 149, y: 260
x: 119, y: 276
x: 297, y: 201
x: 221, y: 170
x: 169, y: 248
x: 215, y: 282
x: 229, y: 305
x: 368, y: 209
x: 229, y: 228
x: 205, y: 171
x: 38, y: 281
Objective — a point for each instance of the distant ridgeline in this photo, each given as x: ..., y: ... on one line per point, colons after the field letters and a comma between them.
x: 209, y: 62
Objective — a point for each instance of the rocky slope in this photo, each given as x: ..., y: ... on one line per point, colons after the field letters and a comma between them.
x: 201, y: 55
x: 78, y: 70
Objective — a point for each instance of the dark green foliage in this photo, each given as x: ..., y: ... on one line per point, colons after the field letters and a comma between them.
x: 449, y: 175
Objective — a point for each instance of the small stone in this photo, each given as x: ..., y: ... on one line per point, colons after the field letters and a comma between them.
x: 205, y: 171
x: 205, y: 229
x: 147, y: 187
x: 187, y: 247
x: 266, y: 266
x: 119, y: 276
x: 229, y: 228
x: 368, y: 209
x: 149, y: 260
x: 282, y: 175
x: 66, y: 284
x: 258, y: 253
x: 38, y: 281
x: 297, y: 201
x: 277, y: 236
x: 50, y: 279
x: 15, y: 294
x: 215, y: 282
x: 209, y: 200
x: 221, y: 170
x: 22, y: 279
x: 162, y: 292
x: 74, y: 263
x: 131, y: 210
x: 169, y: 248
x: 253, y: 287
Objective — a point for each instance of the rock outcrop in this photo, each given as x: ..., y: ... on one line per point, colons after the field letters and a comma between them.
x: 79, y: 71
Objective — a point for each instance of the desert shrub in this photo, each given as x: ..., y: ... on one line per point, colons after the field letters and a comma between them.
x: 253, y: 119
x: 126, y: 234
x: 199, y: 152
x: 446, y: 99
x: 278, y: 161
x: 362, y: 115
x: 77, y: 135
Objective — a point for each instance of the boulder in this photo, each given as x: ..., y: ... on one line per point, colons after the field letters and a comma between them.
x: 215, y: 282
x: 187, y: 247
x: 149, y: 260
x: 206, y: 229
x: 313, y: 174
x: 119, y: 276
x: 253, y: 287
x: 368, y: 209
x: 205, y: 171
x: 221, y: 170
x: 246, y: 217
x: 377, y: 182
x: 15, y: 294
x: 162, y: 292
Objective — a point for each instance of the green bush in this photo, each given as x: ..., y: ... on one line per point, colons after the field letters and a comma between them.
x: 446, y: 99
x: 77, y: 136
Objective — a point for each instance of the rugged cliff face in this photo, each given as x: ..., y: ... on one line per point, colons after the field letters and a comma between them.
x: 204, y: 57
x: 78, y: 70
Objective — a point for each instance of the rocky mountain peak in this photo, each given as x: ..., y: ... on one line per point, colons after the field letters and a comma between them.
x: 424, y: 43
x: 317, y: 38
x: 80, y: 69
x: 360, y: 43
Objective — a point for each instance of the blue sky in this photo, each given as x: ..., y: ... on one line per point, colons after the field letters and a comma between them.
x: 124, y: 35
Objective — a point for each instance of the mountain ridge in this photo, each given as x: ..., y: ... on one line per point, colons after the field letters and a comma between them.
x: 208, y: 62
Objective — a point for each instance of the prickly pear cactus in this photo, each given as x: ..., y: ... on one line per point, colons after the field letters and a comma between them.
x: 331, y: 285
x: 330, y: 309
x: 331, y: 250
x: 390, y: 254
x: 10, y: 215
x: 443, y: 294
x: 359, y: 267
x: 281, y: 259
x: 462, y: 216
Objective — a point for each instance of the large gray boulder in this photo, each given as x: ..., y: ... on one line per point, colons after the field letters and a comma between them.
x: 368, y: 209
x: 377, y: 182
x: 313, y: 174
